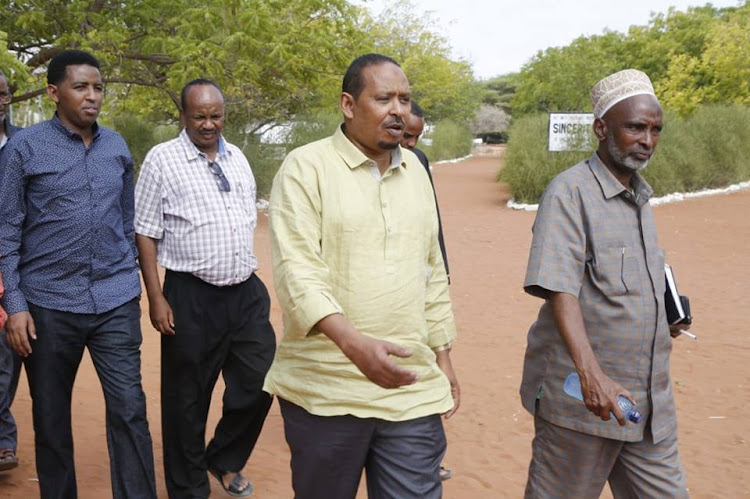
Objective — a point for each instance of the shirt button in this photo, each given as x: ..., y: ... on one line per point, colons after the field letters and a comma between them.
x: 385, y: 205
x: 236, y: 254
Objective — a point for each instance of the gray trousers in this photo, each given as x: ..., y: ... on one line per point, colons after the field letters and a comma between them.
x: 401, y: 459
x: 567, y: 463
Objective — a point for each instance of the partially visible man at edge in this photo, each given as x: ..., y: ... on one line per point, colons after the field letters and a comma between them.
x: 596, y: 261
x: 196, y: 214
x: 413, y: 128
x: 10, y: 362
x: 363, y: 371
x: 68, y: 256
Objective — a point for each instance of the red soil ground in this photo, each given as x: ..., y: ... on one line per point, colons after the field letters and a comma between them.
x: 707, y: 240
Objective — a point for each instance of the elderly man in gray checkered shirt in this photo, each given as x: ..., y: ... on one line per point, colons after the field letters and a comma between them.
x: 195, y: 214
x: 596, y: 262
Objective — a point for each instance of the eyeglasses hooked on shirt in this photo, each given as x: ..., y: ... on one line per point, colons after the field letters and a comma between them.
x: 221, y: 180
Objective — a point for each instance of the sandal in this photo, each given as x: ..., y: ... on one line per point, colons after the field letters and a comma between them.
x: 233, y: 489
x: 8, y: 459
x: 444, y: 473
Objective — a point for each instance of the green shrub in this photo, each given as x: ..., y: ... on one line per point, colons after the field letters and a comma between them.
x: 264, y: 159
x: 450, y: 140
x: 311, y: 127
x: 141, y: 136
x: 529, y: 166
x: 708, y: 149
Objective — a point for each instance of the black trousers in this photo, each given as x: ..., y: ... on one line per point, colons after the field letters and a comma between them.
x: 114, y: 342
x: 401, y: 458
x: 217, y: 330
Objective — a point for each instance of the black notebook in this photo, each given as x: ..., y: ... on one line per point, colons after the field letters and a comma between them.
x: 678, y: 306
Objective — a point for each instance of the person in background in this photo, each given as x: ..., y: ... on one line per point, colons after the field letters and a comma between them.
x: 413, y: 128
x: 10, y: 362
x: 596, y: 261
x: 68, y: 257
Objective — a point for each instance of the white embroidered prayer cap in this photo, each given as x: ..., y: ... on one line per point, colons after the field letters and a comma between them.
x: 617, y: 87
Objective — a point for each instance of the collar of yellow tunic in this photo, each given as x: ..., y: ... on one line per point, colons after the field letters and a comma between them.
x: 355, y: 158
x: 612, y: 187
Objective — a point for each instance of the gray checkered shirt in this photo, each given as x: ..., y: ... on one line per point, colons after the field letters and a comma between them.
x: 198, y: 228
x: 593, y: 239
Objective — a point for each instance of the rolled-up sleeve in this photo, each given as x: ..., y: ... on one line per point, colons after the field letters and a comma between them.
x: 558, y: 248
x: 301, y: 277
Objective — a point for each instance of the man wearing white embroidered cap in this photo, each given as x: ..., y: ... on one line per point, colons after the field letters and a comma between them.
x: 596, y: 262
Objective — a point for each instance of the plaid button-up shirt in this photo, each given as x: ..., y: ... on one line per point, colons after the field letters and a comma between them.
x: 199, y: 229
x: 594, y: 239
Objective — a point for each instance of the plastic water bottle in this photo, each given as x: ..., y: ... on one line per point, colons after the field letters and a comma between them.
x: 572, y: 387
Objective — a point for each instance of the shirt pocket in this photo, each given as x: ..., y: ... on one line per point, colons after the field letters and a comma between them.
x: 616, y: 271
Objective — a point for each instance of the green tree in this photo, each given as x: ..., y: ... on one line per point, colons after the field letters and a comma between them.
x: 273, y: 58
x: 693, y: 57
x: 444, y: 87
x: 559, y: 78
x: 499, y: 91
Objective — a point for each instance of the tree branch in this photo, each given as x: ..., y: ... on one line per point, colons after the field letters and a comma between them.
x: 28, y: 95
x: 155, y: 58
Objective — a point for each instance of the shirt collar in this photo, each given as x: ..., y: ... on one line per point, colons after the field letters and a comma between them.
x: 192, y: 150
x: 71, y: 134
x: 354, y: 158
x: 612, y: 187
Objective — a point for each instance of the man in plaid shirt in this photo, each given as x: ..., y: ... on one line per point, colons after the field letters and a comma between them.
x: 596, y: 261
x: 195, y: 216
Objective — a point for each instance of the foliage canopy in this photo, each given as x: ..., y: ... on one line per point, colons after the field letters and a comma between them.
x: 274, y: 59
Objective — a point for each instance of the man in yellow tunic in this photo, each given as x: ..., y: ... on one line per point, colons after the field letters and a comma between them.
x: 363, y: 372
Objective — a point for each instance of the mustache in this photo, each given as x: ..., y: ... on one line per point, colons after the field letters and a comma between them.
x: 394, y: 121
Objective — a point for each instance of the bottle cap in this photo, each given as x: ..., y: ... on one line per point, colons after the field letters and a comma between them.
x: 635, y: 416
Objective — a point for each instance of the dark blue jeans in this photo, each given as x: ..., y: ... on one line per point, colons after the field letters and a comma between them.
x: 114, y: 341
x: 10, y: 368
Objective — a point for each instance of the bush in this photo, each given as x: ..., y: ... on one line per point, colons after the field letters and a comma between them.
x: 529, y: 166
x: 709, y: 149
x: 264, y: 159
x: 449, y: 140
x: 311, y: 127
x: 141, y: 136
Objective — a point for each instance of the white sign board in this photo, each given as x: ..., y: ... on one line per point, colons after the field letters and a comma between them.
x: 569, y: 131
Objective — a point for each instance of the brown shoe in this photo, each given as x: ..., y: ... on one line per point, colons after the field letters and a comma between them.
x: 8, y: 459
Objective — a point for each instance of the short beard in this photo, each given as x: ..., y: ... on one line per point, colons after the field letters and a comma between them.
x: 630, y: 164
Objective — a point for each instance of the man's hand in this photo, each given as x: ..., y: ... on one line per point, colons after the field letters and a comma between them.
x: 19, y: 329
x: 372, y: 357
x: 600, y: 394
x: 444, y: 363
x: 161, y: 314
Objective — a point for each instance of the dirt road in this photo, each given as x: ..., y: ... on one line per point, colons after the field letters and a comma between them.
x: 708, y: 242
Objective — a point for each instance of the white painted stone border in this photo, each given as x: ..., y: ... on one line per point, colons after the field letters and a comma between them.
x: 669, y: 198
x: 456, y: 160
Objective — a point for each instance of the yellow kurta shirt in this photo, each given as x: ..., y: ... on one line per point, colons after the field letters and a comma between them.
x: 345, y: 242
